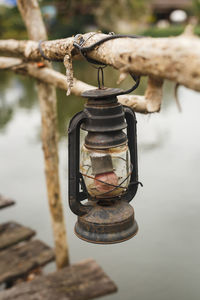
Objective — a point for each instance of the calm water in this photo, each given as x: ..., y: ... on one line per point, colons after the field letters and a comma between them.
x: 162, y: 261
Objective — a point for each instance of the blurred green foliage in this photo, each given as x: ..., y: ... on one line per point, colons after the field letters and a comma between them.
x: 172, y: 30
x: 75, y: 16
x: 11, y: 24
x: 196, y: 8
x: 24, y: 96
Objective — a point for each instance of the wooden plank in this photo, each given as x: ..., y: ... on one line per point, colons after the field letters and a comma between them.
x: 20, y: 260
x: 81, y: 281
x: 4, y: 202
x: 12, y: 233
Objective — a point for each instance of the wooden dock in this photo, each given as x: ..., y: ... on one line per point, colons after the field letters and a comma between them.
x: 81, y: 281
x: 12, y: 233
x: 21, y: 256
x: 4, y: 202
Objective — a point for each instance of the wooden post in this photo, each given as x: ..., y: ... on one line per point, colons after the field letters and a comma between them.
x: 31, y: 15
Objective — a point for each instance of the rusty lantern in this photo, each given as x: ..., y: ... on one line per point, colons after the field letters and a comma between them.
x: 105, y: 170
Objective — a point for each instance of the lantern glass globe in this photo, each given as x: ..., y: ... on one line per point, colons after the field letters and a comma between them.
x: 106, y: 172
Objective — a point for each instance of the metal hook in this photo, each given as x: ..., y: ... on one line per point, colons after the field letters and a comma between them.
x: 100, y: 70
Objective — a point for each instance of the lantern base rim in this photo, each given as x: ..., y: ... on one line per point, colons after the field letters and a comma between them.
x: 104, y: 241
x: 107, y: 225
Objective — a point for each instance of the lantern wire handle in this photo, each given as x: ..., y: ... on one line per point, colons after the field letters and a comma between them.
x: 100, y: 71
x: 43, y: 55
x: 79, y: 45
x: 79, y: 42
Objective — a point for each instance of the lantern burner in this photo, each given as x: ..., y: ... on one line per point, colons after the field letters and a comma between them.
x: 103, y: 93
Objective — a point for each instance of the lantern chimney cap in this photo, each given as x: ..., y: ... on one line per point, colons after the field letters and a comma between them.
x: 103, y: 93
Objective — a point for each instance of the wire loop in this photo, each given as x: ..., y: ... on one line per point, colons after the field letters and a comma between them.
x: 79, y: 44
x: 43, y: 55
x: 100, y: 84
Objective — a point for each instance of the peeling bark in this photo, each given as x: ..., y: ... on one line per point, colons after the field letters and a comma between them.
x: 153, y: 94
x: 69, y: 72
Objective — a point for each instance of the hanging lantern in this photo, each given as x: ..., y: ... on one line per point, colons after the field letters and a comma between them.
x: 105, y: 169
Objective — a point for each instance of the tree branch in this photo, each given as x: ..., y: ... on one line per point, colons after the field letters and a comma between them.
x: 31, y: 15
x: 142, y: 104
x: 174, y: 58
